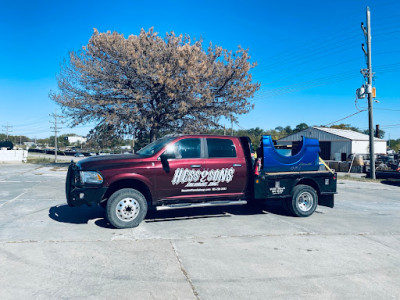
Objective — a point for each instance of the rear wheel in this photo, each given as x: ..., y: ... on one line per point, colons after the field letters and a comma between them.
x: 303, y: 202
x: 126, y: 208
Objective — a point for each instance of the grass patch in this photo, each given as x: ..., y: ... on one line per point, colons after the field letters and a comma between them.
x: 363, y: 179
x: 39, y: 160
x: 58, y: 168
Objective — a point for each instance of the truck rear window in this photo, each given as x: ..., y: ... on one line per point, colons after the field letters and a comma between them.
x: 220, y: 148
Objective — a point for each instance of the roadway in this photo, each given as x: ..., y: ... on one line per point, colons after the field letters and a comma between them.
x: 49, y: 250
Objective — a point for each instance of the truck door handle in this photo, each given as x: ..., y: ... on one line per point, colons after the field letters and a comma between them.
x: 195, y: 166
x: 237, y: 165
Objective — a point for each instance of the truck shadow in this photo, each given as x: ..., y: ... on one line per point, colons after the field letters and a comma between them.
x: 272, y: 207
x: 76, y: 215
x: 392, y: 182
x: 82, y: 215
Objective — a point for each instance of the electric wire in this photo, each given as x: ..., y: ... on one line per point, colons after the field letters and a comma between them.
x: 349, y: 116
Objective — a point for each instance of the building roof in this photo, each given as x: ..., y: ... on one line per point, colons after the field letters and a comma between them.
x: 329, y: 134
x: 348, y: 134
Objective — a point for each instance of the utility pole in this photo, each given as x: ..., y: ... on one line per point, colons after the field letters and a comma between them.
x: 369, y: 74
x: 7, y: 129
x: 55, y: 130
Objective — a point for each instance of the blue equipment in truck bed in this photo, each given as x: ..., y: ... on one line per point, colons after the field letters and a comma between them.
x: 307, y: 159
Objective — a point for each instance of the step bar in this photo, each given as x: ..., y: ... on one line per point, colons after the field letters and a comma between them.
x: 203, y: 204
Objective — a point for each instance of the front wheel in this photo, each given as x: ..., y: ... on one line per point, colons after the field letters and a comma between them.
x: 126, y: 208
x: 303, y: 202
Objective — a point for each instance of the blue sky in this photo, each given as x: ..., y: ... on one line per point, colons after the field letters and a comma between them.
x: 308, y: 53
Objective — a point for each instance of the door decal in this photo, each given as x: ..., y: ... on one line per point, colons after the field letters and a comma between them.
x: 277, y: 190
x: 203, y: 179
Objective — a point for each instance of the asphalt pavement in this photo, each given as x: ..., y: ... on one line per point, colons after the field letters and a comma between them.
x: 50, y: 251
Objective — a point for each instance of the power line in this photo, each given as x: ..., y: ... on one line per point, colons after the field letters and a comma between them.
x: 387, y: 109
x: 349, y: 116
x: 308, y: 84
x: 390, y: 126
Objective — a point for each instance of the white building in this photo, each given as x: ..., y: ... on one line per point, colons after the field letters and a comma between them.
x: 76, y: 139
x: 337, y: 144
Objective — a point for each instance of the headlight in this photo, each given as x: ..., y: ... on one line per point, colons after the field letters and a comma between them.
x: 91, y: 177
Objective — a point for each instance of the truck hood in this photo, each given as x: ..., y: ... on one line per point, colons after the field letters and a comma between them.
x: 107, y: 161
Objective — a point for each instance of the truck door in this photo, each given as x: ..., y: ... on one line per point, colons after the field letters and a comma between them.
x: 184, y: 162
x: 225, y: 166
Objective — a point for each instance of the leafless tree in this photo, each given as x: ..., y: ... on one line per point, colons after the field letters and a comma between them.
x: 146, y: 83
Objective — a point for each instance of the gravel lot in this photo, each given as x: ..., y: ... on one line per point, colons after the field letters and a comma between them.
x: 50, y: 251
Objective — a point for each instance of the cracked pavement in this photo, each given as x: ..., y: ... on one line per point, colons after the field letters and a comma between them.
x: 49, y: 250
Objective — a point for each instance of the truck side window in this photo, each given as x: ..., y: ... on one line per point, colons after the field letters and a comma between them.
x: 186, y: 148
x: 220, y: 148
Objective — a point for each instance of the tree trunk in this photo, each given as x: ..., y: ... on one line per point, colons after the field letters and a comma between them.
x: 152, y: 135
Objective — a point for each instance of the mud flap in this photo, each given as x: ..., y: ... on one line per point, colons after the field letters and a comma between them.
x: 326, y: 200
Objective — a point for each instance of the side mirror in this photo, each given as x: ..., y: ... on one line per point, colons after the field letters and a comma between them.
x: 164, y: 162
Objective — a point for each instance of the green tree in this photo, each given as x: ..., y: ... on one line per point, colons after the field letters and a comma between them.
x: 381, y: 133
x: 44, y: 142
x: 300, y: 127
x: 394, y: 144
x: 62, y: 140
x: 146, y: 83
x: 347, y: 127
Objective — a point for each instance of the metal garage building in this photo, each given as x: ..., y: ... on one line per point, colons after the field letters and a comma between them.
x: 336, y: 144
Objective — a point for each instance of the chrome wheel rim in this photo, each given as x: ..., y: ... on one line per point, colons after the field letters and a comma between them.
x: 305, y: 201
x: 127, y: 209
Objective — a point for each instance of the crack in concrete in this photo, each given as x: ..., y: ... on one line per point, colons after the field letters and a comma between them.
x: 16, y: 198
x: 185, y: 273
x: 369, y: 237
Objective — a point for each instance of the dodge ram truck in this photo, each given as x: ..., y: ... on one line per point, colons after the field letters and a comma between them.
x: 193, y: 170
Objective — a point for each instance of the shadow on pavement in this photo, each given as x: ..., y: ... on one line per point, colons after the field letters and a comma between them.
x: 392, y: 182
x: 75, y: 215
x: 273, y: 207
x: 82, y: 215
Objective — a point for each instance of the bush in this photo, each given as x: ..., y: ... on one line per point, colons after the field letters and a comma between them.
x: 6, y: 144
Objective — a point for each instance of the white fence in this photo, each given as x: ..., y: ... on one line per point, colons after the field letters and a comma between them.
x: 13, y: 156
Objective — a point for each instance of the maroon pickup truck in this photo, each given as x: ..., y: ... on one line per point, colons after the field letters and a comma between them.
x: 190, y: 170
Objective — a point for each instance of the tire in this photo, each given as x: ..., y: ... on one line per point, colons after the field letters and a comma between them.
x: 303, y: 202
x: 126, y: 208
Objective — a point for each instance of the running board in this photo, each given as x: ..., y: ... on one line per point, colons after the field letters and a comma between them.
x: 204, y: 204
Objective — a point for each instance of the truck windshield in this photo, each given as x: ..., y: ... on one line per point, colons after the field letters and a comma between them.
x: 155, y: 146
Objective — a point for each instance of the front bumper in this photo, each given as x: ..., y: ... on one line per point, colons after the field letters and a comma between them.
x: 78, y: 194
